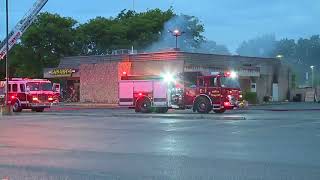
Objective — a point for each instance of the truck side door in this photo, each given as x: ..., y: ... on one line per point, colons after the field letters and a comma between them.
x: 22, y: 92
x: 213, y: 90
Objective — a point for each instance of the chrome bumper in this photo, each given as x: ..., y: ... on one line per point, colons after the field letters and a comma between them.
x: 40, y: 105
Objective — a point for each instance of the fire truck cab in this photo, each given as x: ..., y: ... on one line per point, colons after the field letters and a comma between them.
x: 218, y: 92
x: 34, y: 94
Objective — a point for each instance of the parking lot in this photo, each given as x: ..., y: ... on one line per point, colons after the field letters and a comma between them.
x: 70, y: 142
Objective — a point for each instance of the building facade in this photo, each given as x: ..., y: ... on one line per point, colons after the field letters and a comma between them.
x: 95, y: 78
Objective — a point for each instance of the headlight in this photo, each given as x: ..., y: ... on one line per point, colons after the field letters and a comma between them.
x: 168, y: 78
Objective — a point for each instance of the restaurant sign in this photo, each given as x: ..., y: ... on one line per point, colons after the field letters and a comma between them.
x: 62, y: 72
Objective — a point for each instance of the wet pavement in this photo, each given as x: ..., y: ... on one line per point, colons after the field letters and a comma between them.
x: 259, y: 143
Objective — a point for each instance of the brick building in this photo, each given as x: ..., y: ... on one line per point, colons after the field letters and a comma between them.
x: 96, y: 77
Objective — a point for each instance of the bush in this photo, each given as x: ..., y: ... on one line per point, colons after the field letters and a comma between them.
x: 251, y: 97
x: 266, y: 99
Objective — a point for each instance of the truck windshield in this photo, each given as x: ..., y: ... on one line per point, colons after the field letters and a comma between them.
x: 37, y: 86
x: 230, y: 82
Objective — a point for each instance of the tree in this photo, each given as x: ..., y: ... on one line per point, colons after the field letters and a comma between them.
x: 190, y: 39
x: 262, y: 46
x: 98, y: 36
x: 51, y: 37
x: 285, y: 47
x: 48, y: 39
x: 102, y: 35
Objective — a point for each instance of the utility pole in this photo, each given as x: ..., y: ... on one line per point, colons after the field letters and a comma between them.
x: 7, y: 55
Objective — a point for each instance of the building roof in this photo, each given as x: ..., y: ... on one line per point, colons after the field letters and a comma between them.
x: 189, y: 58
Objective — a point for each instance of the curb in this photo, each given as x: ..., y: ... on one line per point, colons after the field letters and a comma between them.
x: 156, y: 116
x: 178, y: 117
x: 88, y: 105
x: 269, y: 104
x: 284, y: 110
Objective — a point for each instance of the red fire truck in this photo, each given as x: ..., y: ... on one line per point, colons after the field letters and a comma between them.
x: 218, y: 92
x: 34, y: 94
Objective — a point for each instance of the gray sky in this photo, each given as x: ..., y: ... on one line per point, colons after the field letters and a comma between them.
x: 227, y: 22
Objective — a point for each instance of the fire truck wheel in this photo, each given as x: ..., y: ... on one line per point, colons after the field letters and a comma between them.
x: 136, y: 109
x: 144, y: 105
x: 38, y: 109
x: 16, y: 107
x: 203, y: 105
x: 220, y: 111
x: 162, y: 110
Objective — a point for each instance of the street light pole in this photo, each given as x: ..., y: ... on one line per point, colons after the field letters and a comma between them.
x: 7, y: 53
x: 176, y: 42
x: 312, y: 76
x: 177, y: 33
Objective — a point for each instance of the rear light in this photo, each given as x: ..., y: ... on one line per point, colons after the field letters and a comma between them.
x: 240, y: 96
x: 140, y: 94
x: 226, y: 104
x: 12, y: 97
x: 35, y: 99
x: 50, y: 99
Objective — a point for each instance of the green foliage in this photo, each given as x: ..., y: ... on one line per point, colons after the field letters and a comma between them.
x: 48, y: 39
x: 251, y: 97
x: 51, y: 37
x: 261, y: 46
x: 299, y: 54
x: 102, y: 35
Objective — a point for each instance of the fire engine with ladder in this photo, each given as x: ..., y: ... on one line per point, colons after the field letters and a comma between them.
x: 21, y: 27
x: 218, y: 92
x: 24, y: 93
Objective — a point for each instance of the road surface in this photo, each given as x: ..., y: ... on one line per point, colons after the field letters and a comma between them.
x: 272, y: 142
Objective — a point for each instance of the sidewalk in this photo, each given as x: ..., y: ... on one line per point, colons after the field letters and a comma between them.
x: 272, y: 106
x: 270, y: 103
x: 89, y: 105
x: 288, y: 106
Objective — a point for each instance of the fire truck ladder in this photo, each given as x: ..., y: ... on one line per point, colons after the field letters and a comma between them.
x: 21, y: 27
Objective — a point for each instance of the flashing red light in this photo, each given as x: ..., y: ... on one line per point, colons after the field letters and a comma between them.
x: 50, y: 99
x: 12, y: 97
x: 124, y: 73
x: 227, y: 74
x: 140, y: 94
x: 226, y: 104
